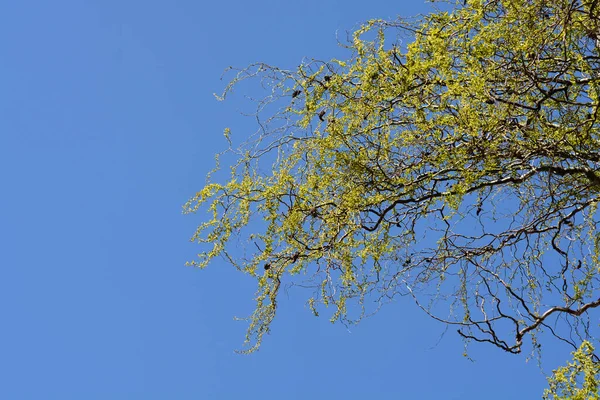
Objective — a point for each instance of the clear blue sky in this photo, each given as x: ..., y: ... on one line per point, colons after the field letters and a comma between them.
x: 108, y: 124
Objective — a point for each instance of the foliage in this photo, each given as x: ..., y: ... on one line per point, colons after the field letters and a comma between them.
x: 564, y: 381
x: 452, y: 158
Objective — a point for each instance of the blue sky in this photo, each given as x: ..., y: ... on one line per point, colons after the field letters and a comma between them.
x: 108, y: 125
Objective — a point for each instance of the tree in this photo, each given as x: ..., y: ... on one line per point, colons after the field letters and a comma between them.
x: 584, y: 370
x: 452, y: 158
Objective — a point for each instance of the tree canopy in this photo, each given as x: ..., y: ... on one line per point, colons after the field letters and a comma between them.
x: 584, y: 371
x: 451, y: 158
